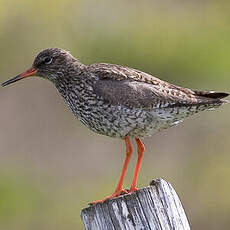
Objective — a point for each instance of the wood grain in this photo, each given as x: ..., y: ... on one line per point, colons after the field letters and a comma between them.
x: 156, y: 207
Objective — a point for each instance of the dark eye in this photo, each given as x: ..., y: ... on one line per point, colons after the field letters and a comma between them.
x: 48, y: 60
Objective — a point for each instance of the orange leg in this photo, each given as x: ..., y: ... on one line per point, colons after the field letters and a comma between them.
x: 140, y: 149
x: 119, y: 190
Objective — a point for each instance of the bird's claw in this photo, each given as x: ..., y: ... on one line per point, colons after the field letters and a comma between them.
x: 115, y: 194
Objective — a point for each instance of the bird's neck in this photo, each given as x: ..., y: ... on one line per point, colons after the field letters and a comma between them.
x: 76, y: 79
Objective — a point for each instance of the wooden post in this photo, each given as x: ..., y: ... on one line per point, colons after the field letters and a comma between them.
x: 156, y: 207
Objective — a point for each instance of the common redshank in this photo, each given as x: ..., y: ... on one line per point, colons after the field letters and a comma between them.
x: 119, y: 101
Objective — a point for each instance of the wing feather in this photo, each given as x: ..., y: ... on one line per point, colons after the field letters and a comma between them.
x: 133, y: 88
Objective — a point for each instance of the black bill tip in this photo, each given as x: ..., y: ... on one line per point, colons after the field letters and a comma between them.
x: 12, y: 80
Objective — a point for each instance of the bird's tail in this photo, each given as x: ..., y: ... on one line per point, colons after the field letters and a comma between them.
x: 211, y: 94
x: 212, y: 97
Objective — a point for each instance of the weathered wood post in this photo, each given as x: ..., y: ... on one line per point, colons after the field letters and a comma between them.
x: 156, y: 207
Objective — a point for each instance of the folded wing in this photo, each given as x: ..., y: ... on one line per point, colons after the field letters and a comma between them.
x: 133, y: 88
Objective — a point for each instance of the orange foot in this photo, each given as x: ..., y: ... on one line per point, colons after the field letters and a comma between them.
x: 115, y: 194
x: 132, y: 189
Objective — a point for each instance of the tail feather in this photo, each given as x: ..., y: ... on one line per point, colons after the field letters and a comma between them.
x: 211, y: 94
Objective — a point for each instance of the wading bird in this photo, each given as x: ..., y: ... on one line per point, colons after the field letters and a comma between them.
x: 119, y: 101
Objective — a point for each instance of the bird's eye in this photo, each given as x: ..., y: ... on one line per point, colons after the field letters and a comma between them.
x: 48, y: 60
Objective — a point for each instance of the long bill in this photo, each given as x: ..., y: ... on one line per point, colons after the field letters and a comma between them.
x: 28, y: 73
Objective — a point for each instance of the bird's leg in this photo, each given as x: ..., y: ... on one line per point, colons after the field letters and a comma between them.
x: 140, y: 150
x: 125, y: 166
x: 119, y: 190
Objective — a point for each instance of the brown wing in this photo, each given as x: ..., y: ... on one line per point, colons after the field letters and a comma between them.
x: 133, y: 88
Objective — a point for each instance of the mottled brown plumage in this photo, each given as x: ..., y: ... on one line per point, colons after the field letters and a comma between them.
x: 133, y: 88
x: 119, y: 101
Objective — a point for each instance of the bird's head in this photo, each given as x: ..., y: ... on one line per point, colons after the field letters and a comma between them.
x: 50, y: 63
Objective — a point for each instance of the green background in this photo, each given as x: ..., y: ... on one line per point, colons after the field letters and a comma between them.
x: 51, y: 166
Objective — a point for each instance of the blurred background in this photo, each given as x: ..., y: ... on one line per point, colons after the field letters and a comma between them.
x: 51, y: 166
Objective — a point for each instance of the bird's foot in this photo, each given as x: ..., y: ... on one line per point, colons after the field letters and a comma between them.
x: 132, y: 189
x: 115, y: 194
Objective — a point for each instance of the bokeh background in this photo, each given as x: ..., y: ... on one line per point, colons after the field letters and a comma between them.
x: 51, y: 166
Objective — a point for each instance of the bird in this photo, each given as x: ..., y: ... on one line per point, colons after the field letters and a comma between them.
x: 119, y: 101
